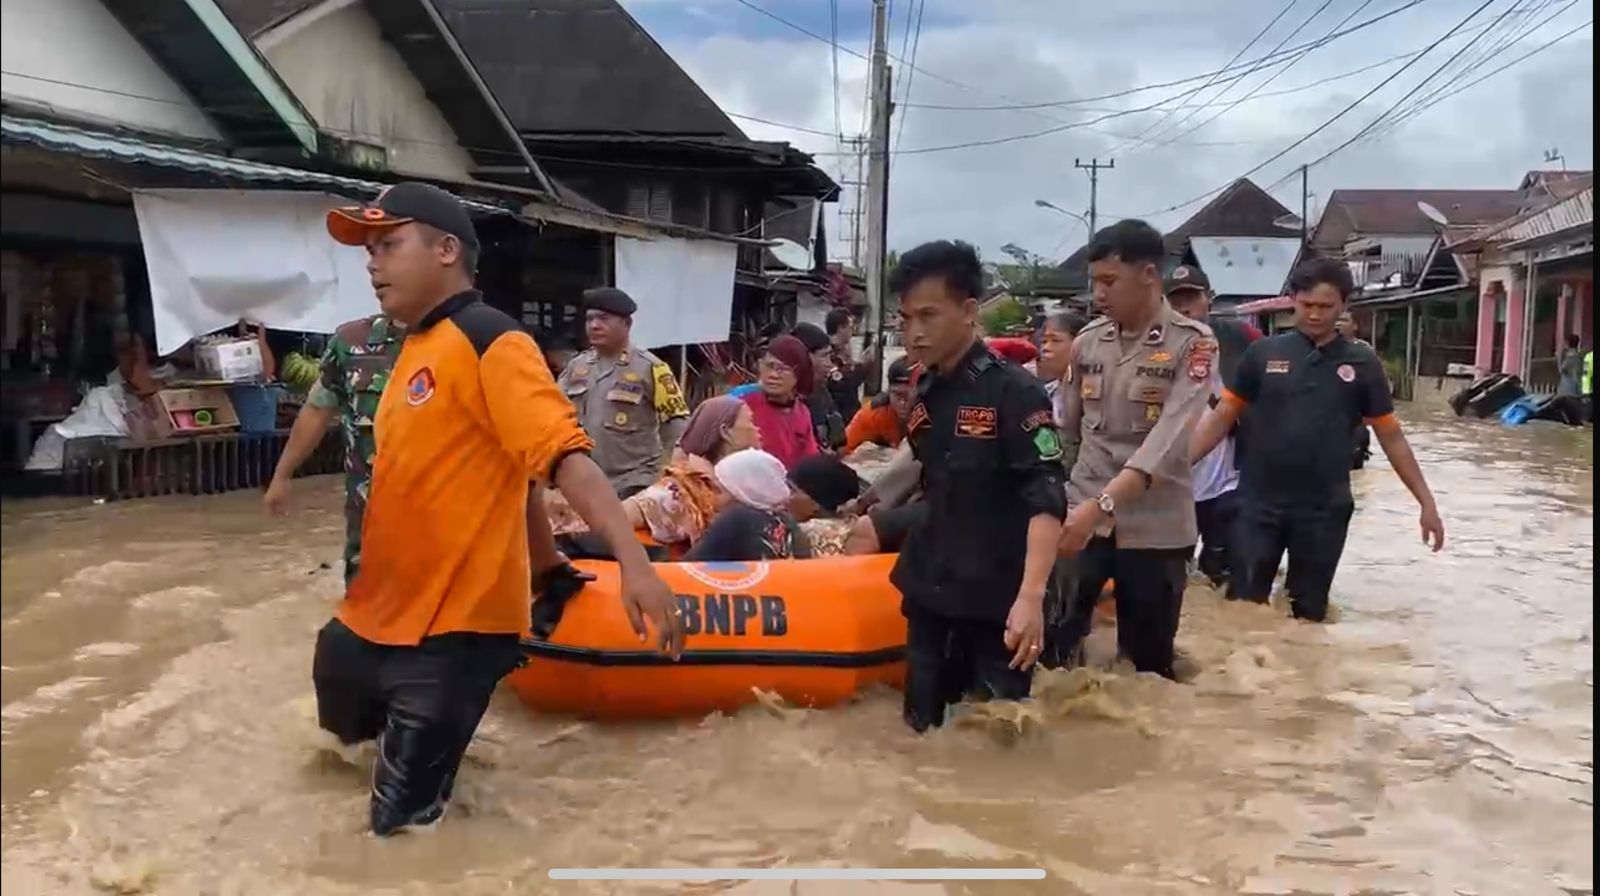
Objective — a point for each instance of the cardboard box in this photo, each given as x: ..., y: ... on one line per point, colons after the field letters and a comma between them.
x: 170, y: 414
x: 231, y: 361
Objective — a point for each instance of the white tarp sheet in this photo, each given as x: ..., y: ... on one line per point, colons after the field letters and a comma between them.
x: 218, y: 256
x: 684, y: 289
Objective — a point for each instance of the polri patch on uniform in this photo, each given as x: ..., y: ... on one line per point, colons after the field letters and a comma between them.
x: 918, y: 417
x: 1277, y: 366
x: 1201, y: 354
x: 977, y: 423
x: 1346, y: 373
x: 420, y: 387
x: 1038, y: 419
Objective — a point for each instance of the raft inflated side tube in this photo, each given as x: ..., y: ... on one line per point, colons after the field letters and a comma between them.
x: 814, y: 632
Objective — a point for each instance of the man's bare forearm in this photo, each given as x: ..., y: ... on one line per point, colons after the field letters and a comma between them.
x: 310, y: 427
x: 1398, y: 450
x: 589, y: 492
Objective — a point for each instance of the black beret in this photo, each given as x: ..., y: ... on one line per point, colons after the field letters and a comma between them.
x: 811, y: 336
x: 610, y: 300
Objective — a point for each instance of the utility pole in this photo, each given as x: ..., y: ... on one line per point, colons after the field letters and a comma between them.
x: 877, y: 183
x: 1094, y: 168
x: 858, y: 146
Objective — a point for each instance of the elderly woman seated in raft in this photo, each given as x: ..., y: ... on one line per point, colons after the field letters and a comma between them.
x: 676, y: 510
x: 754, y: 522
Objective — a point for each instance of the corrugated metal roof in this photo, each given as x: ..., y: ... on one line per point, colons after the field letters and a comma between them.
x: 132, y: 150
x: 1245, y: 265
x: 1570, y: 213
x: 120, y: 148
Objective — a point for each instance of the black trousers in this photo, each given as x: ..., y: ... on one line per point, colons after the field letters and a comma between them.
x: 421, y: 703
x: 949, y: 659
x: 1312, y: 534
x: 1150, y: 584
x: 1216, y: 518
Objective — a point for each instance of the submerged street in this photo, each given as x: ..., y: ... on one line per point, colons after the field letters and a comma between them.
x: 1435, y: 738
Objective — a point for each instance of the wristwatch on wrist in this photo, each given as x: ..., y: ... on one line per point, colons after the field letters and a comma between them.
x: 1106, y: 505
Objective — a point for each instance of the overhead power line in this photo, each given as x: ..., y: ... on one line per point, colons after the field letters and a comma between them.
x: 1162, y: 120
x: 1268, y: 59
x: 1301, y: 141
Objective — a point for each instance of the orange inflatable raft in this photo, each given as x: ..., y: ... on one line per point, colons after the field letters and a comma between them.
x: 814, y: 632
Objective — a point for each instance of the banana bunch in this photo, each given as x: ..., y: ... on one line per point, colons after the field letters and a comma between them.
x: 300, y: 372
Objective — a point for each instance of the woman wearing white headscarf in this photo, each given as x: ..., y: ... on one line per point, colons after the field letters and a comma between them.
x: 755, y: 524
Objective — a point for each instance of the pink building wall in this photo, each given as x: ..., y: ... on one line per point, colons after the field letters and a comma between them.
x: 1488, y: 302
x: 1516, y: 307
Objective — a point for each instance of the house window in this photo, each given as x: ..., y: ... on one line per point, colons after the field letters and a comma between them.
x: 651, y: 201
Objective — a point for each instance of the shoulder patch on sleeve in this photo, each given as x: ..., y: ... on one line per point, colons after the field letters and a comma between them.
x: 669, y: 399
x: 1202, y: 354
x: 482, y: 325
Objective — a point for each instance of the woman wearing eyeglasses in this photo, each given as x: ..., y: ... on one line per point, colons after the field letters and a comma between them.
x: 779, y: 405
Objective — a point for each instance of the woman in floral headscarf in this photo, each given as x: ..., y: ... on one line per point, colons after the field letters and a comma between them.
x: 677, y: 509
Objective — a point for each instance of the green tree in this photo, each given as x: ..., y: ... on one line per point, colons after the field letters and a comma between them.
x: 1003, y: 316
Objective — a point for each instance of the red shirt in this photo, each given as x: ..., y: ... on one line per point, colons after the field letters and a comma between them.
x: 786, y: 431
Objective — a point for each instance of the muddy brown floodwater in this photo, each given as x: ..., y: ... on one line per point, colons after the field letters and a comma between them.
x: 1436, y: 739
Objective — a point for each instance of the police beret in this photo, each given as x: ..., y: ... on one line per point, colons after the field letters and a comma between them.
x: 1187, y: 277
x: 610, y: 300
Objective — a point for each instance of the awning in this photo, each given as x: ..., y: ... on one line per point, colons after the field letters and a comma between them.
x: 1245, y: 265
x: 1264, y: 306
x: 121, y: 148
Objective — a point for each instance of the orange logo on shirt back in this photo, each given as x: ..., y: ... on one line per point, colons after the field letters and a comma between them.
x: 420, y: 387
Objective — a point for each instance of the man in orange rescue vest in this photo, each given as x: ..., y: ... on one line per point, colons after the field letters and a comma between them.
x: 432, y: 620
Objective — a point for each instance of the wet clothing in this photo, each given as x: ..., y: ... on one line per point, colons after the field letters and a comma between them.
x: 632, y: 408
x: 421, y: 703
x: 1149, y: 602
x: 991, y: 462
x: 949, y: 659
x: 878, y: 422
x: 1295, y: 488
x: 1215, y: 518
x: 786, y: 431
x: 432, y: 618
x: 355, y: 369
x: 1137, y: 396
x: 745, y: 533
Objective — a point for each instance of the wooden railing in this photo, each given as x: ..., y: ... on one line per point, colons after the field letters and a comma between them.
x: 120, y: 469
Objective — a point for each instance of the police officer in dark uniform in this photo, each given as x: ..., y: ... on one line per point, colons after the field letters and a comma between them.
x: 974, y: 572
x: 1309, y: 390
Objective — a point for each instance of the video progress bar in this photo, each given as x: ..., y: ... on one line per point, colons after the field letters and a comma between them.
x: 871, y: 874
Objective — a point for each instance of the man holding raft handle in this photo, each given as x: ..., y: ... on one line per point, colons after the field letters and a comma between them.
x: 432, y: 620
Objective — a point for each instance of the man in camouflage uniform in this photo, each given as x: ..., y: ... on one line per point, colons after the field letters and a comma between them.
x: 355, y: 369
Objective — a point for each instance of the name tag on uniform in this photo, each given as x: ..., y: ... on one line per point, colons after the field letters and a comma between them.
x: 977, y: 423
x: 622, y: 393
x: 1277, y: 366
x: 1152, y: 395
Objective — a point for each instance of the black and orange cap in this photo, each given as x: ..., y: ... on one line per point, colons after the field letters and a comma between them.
x: 403, y: 204
x: 1187, y: 277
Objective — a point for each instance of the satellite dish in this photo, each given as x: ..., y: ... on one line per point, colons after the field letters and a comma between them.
x: 791, y: 254
x: 1433, y: 214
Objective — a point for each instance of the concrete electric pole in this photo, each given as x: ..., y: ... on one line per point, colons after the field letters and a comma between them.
x: 1094, y: 168
x: 877, y: 177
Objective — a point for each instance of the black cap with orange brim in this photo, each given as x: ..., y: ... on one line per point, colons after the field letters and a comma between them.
x: 404, y: 203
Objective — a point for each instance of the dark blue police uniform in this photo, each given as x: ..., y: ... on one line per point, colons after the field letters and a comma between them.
x: 991, y: 461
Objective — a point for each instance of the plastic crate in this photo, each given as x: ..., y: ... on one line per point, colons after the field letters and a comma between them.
x: 257, y: 406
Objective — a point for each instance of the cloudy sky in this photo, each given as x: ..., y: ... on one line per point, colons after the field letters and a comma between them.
x: 1011, y: 52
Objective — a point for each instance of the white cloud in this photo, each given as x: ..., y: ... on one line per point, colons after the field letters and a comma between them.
x: 1033, y: 51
